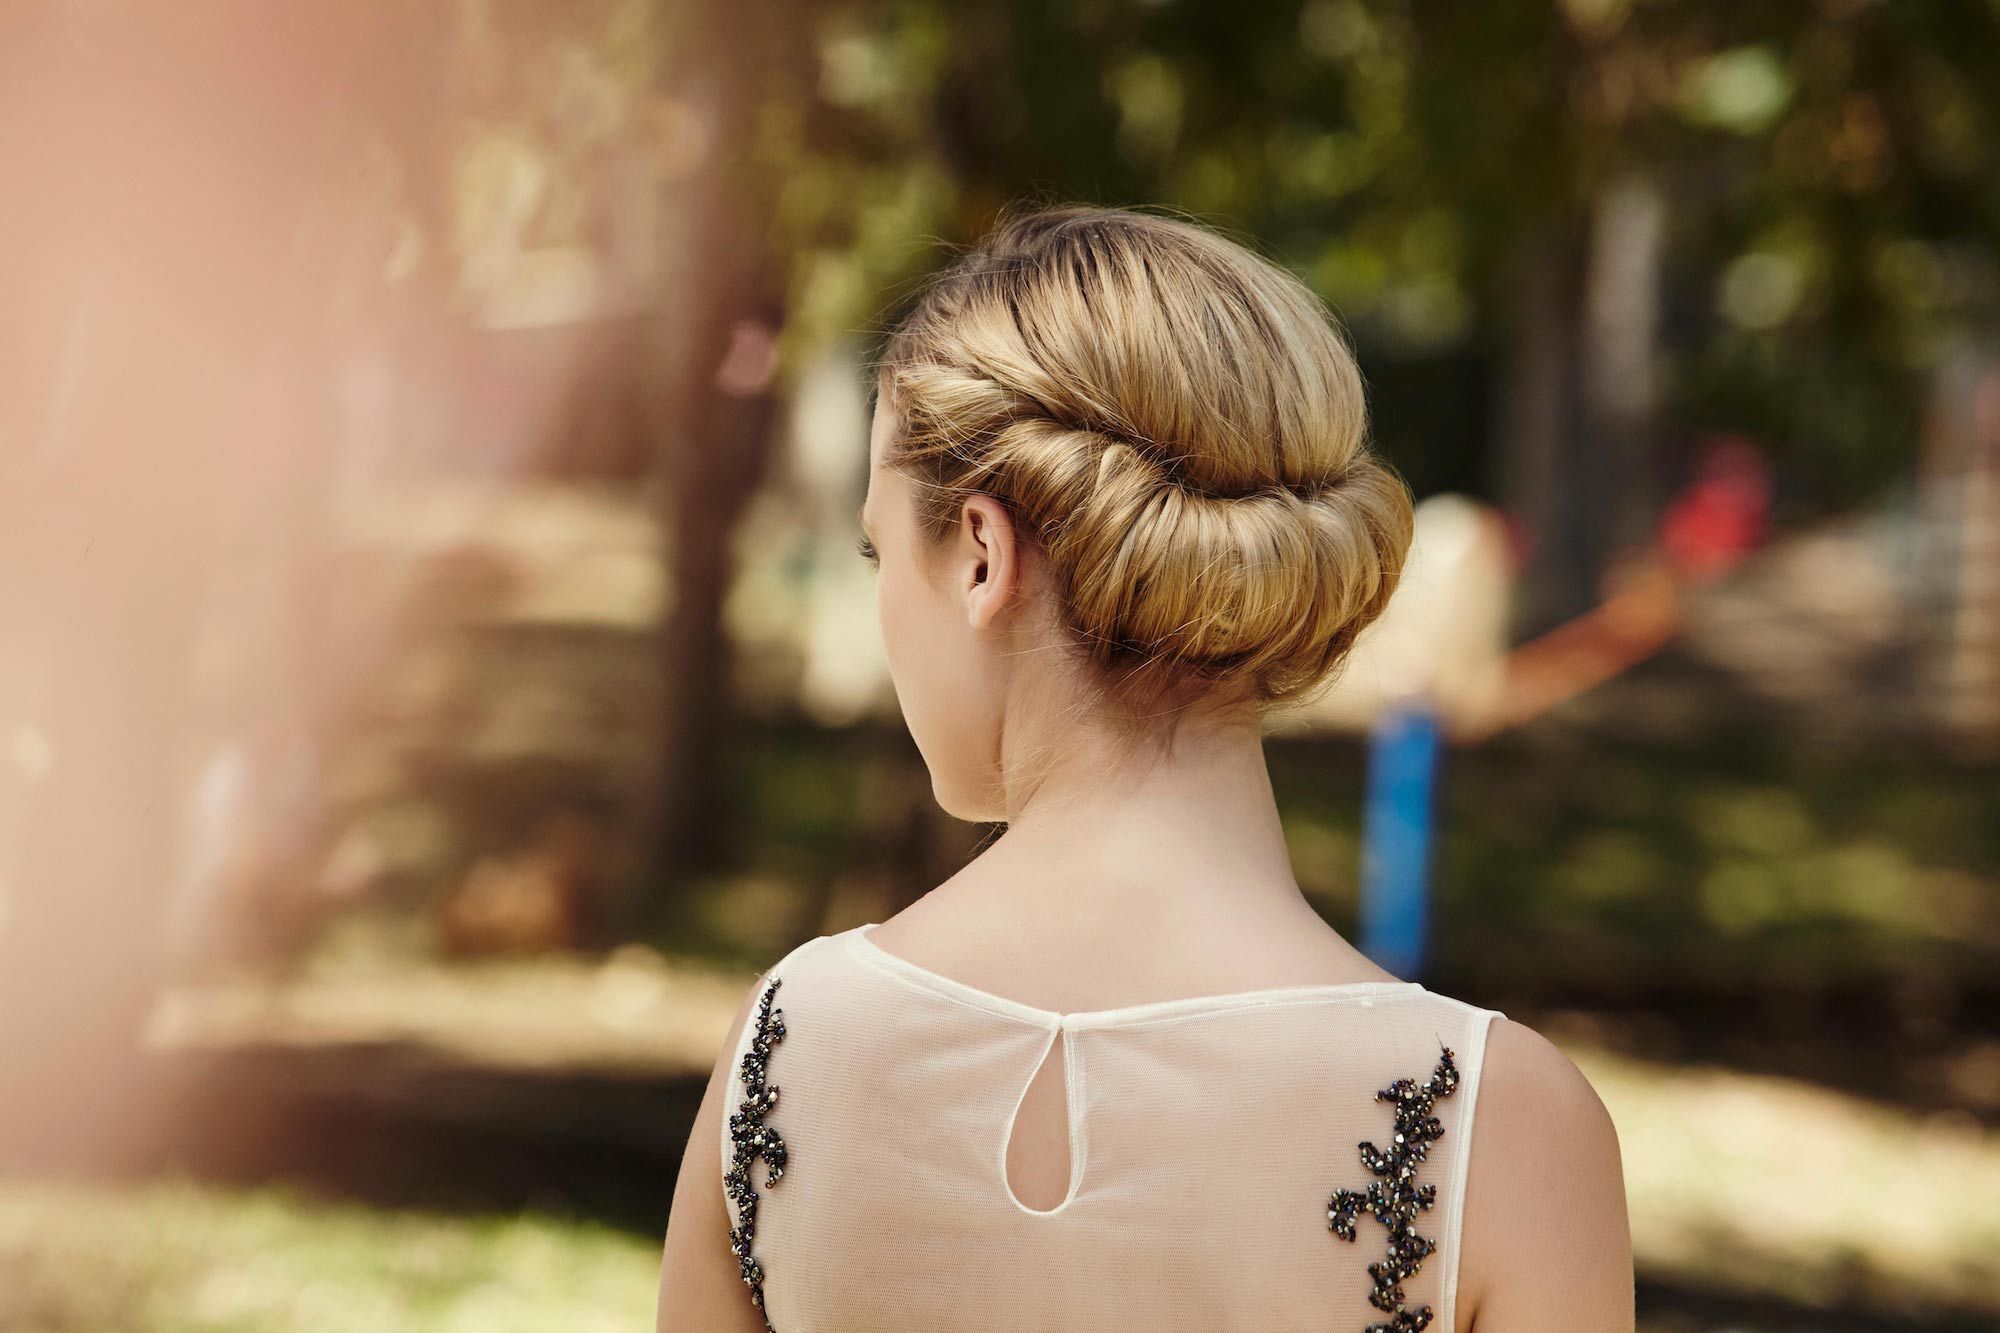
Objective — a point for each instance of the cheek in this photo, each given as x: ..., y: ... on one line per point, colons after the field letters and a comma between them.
x: 909, y: 629
x: 895, y: 613
x: 888, y: 614
x: 928, y: 664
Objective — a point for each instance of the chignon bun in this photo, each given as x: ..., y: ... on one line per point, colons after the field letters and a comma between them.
x: 1181, y: 428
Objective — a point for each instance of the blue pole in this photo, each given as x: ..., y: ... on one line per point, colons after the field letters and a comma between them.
x: 1397, y: 833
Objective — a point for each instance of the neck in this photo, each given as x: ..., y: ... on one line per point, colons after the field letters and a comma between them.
x: 1196, y: 824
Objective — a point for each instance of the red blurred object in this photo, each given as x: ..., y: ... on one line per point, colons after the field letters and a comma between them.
x: 1724, y: 513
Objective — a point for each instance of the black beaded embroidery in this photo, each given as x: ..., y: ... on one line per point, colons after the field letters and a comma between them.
x: 754, y: 1139
x: 1396, y: 1197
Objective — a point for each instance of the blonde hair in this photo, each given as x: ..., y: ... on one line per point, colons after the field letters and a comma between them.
x: 1178, y: 425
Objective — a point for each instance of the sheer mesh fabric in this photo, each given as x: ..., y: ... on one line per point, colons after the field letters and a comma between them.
x: 1206, y: 1136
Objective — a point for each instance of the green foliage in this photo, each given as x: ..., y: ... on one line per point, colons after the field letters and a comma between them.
x: 1833, y: 217
x: 1834, y: 222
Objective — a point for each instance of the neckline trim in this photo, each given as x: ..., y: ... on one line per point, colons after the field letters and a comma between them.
x: 966, y: 993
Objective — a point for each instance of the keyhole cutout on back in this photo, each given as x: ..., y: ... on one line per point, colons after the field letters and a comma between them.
x: 1038, y: 1148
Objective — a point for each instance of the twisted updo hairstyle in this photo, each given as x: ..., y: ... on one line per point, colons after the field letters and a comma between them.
x: 1177, y: 424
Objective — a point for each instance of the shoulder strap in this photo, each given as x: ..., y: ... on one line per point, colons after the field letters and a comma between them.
x: 1471, y: 1064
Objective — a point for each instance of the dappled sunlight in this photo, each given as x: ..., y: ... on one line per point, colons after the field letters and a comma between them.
x: 1738, y: 1182
x: 1771, y: 1185
x: 1743, y: 1187
x: 629, y: 1011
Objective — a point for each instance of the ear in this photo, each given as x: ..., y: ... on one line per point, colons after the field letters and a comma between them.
x: 988, y: 567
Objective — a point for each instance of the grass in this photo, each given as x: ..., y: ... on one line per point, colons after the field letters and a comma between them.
x: 1746, y: 1189
x: 174, y: 1257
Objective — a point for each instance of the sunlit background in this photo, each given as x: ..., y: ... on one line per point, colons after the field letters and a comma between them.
x: 436, y: 673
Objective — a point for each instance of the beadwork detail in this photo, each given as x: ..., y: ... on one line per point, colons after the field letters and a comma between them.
x: 752, y: 1139
x: 1395, y: 1198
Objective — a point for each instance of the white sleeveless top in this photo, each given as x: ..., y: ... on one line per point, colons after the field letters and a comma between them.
x: 1212, y: 1144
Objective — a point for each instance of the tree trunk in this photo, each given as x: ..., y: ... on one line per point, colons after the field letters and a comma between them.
x: 1960, y: 527
x: 1617, y: 460
x: 1537, y: 425
x: 718, y: 414
x: 1579, y: 398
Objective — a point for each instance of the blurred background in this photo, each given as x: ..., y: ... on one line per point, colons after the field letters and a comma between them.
x: 436, y: 674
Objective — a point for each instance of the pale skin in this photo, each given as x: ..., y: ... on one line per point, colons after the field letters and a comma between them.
x: 1114, y: 885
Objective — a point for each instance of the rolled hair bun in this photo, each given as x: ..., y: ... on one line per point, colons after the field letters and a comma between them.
x: 1177, y: 423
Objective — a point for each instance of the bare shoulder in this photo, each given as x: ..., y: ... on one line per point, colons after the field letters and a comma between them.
x: 701, y: 1289
x: 1547, y: 1244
